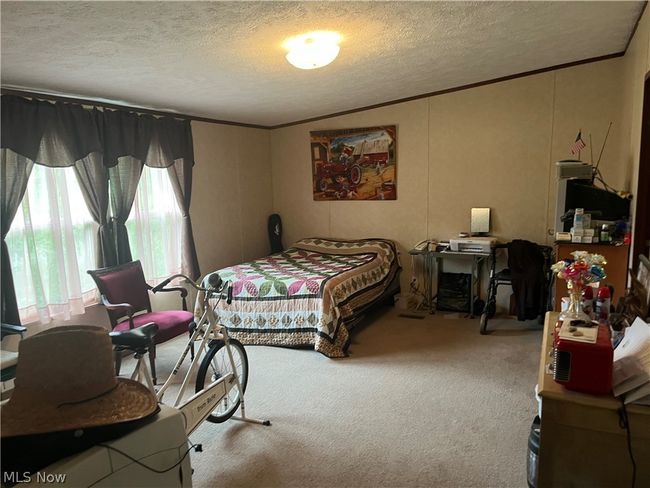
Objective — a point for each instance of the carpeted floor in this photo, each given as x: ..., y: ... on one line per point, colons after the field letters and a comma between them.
x: 418, y: 403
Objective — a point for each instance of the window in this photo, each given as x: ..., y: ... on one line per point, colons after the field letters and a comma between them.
x: 51, y: 244
x: 52, y: 241
x: 154, y: 226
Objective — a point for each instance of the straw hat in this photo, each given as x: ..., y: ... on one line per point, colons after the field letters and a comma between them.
x: 66, y: 380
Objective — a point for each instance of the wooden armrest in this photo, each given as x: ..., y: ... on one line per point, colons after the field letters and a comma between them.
x: 127, y: 307
x: 118, y: 306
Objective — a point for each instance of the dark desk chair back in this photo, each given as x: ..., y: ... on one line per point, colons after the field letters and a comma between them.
x: 530, y: 276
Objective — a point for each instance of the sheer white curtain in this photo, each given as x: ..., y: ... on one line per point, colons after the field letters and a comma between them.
x: 51, y: 245
x: 52, y: 241
x: 154, y: 226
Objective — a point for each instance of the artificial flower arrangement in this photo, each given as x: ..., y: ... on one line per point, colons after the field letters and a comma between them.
x: 583, y: 269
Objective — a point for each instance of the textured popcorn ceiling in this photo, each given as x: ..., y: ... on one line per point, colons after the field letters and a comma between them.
x: 225, y: 60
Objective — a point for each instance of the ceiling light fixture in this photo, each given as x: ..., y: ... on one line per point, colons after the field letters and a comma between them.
x: 313, y: 50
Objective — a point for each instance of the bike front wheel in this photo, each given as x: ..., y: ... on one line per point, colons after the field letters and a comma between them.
x: 215, y: 365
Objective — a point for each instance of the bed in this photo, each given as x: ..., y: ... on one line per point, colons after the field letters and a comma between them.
x: 312, y: 294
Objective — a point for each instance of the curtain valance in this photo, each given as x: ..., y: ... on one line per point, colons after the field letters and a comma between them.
x: 102, y: 146
x: 51, y: 134
x: 154, y: 141
x: 60, y: 134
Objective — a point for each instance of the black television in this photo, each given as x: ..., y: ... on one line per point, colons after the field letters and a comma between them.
x: 604, y: 205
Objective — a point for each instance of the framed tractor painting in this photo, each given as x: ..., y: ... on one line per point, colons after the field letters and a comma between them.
x: 355, y: 164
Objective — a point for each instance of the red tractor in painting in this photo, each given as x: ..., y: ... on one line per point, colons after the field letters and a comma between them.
x: 329, y: 173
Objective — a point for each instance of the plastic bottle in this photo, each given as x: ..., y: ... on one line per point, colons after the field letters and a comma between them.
x: 627, y: 237
x: 603, y: 302
x: 604, y: 233
x: 588, y: 301
x: 578, y: 218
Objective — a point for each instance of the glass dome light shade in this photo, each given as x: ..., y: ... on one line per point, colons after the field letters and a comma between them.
x: 313, y: 50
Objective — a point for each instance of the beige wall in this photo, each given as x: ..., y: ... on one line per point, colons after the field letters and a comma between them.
x: 231, y: 194
x: 635, y: 68
x: 492, y: 146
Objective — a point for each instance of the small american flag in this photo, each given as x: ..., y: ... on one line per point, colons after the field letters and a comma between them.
x: 578, y: 145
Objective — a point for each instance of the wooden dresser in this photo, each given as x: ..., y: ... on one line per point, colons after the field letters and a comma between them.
x: 581, y: 443
x: 616, y: 267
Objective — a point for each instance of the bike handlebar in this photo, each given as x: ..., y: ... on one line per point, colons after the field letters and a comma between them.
x: 214, y: 280
x: 161, y: 285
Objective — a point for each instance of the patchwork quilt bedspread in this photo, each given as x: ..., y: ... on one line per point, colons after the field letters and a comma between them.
x: 308, y: 295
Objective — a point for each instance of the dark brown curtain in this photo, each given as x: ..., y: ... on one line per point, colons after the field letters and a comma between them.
x: 131, y: 141
x: 123, y: 178
x: 61, y: 135
x: 37, y: 132
x: 51, y: 134
x: 181, y: 179
x: 14, y: 175
x: 92, y: 176
x: 108, y: 150
x: 178, y: 134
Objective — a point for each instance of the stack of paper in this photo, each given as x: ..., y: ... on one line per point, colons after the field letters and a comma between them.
x: 631, y: 375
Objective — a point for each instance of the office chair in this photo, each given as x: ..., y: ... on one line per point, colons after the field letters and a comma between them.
x: 525, y: 258
x: 125, y: 293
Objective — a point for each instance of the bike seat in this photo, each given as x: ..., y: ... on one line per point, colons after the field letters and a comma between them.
x: 139, y: 338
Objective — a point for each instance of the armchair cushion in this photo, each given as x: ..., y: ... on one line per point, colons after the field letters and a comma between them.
x: 171, y: 323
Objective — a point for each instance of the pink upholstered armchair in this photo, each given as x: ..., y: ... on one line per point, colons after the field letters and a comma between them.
x: 125, y: 294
